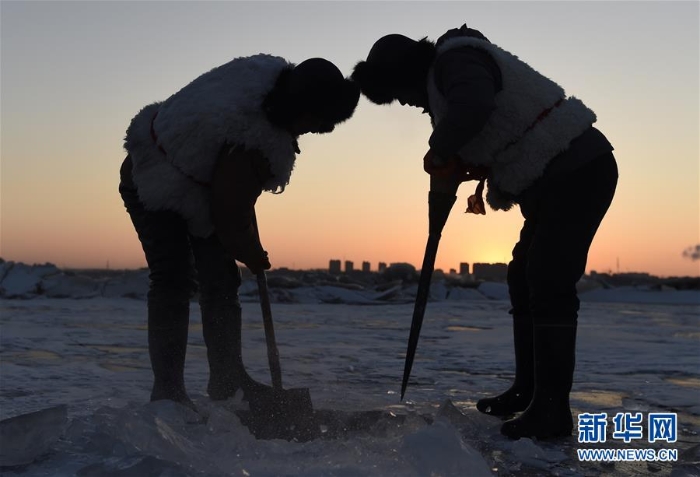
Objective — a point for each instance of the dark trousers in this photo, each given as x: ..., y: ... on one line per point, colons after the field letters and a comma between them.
x: 562, y: 216
x: 180, y: 265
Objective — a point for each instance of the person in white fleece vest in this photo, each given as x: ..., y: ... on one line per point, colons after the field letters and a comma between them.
x: 498, y: 121
x: 196, y: 164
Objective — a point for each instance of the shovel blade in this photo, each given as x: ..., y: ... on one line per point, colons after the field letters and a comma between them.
x: 282, y: 414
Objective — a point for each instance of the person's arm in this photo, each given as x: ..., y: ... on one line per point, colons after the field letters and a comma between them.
x: 469, y: 80
x: 236, y: 184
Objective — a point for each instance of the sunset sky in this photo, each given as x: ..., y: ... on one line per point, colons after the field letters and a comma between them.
x: 73, y: 74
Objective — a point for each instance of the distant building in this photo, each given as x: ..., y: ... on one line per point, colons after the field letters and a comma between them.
x: 349, y: 266
x: 382, y: 267
x: 631, y: 279
x: 464, y: 268
x: 496, y: 272
x: 334, y: 267
x: 401, y: 271
x: 366, y: 267
x: 453, y: 271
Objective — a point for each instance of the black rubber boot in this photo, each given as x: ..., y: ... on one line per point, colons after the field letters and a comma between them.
x: 221, y: 327
x: 167, y: 345
x: 519, y: 395
x: 549, y: 414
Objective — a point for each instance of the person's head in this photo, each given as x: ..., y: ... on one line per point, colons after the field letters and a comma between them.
x: 396, y: 69
x: 311, y: 97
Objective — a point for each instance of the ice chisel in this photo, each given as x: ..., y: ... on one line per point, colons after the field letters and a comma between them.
x: 439, y: 206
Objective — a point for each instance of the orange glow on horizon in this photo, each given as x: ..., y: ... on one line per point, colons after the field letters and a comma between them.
x: 359, y: 193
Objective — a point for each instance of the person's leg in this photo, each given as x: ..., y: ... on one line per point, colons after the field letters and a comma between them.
x: 164, y: 238
x: 519, y: 395
x: 219, y: 278
x: 568, y: 215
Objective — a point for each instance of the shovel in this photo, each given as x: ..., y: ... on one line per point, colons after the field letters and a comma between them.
x: 278, y: 413
x: 439, y: 205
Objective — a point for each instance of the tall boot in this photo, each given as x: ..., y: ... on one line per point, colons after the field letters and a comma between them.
x: 167, y: 345
x: 221, y: 327
x: 549, y: 413
x: 519, y: 395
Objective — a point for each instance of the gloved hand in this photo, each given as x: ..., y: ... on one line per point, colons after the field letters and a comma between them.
x: 441, y: 170
x: 438, y: 166
x: 249, y: 251
x: 258, y: 265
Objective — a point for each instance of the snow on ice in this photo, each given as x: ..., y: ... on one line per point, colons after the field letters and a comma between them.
x: 75, y: 380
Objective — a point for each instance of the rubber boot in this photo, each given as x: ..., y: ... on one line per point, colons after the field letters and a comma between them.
x: 519, y: 395
x: 167, y: 345
x: 549, y: 413
x: 221, y: 327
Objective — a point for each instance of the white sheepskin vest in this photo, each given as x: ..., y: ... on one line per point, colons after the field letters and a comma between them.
x: 514, y: 143
x: 222, y: 106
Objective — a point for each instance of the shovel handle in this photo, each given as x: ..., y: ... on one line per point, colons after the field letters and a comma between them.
x: 273, y: 355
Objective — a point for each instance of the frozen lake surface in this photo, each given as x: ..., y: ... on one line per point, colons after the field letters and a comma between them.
x: 84, y: 363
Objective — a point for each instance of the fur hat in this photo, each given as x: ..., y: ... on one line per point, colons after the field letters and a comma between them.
x: 395, y: 61
x: 463, y: 31
x: 315, y: 86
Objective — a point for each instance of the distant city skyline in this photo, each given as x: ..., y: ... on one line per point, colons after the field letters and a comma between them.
x: 381, y: 266
x: 462, y: 268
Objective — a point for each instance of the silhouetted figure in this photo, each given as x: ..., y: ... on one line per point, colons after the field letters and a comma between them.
x: 498, y: 121
x: 196, y: 164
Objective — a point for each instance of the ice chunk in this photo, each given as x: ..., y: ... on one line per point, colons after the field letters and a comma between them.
x: 471, y: 423
x: 438, y: 449
x: 332, y: 294
x: 23, y: 281
x: 73, y: 286
x: 494, y: 291
x: 26, y: 437
x: 527, y: 452
x: 160, y: 428
x: 688, y: 464
x: 130, y: 284
x: 438, y: 291
x: 306, y: 295
x: 459, y: 294
x: 131, y: 466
